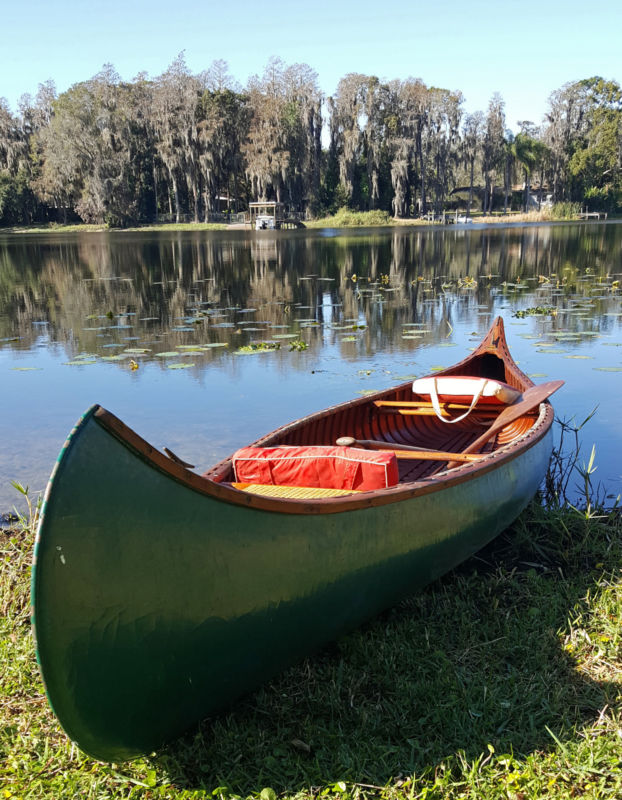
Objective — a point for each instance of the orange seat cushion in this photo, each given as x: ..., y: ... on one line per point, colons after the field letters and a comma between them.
x: 329, y: 467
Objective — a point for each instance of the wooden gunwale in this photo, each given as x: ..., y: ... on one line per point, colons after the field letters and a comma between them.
x: 211, y: 482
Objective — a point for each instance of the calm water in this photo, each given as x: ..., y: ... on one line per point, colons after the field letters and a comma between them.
x: 153, y: 327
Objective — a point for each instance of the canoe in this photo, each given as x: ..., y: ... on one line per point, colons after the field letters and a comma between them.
x: 161, y: 595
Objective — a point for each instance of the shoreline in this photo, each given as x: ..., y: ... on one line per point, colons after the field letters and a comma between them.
x: 530, y: 218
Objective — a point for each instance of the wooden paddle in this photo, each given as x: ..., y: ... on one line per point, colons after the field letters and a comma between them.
x: 405, y: 451
x: 530, y: 399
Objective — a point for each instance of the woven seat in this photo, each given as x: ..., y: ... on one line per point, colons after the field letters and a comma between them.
x: 291, y: 492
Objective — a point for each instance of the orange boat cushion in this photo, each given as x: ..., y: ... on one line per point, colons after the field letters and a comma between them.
x: 329, y: 467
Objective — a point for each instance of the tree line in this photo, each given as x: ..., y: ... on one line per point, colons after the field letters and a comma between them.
x: 186, y: 146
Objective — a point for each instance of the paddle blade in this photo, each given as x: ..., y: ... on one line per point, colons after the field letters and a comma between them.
x: 531, y: 399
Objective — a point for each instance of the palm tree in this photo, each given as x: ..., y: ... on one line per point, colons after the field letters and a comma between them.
x: 526, y: 152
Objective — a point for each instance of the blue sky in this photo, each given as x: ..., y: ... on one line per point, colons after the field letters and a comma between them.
x: 522, y: 49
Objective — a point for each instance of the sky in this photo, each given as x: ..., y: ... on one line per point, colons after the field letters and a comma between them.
x: 523, y: 49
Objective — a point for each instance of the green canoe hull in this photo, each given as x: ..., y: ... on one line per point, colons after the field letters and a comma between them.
x: 156, y: 604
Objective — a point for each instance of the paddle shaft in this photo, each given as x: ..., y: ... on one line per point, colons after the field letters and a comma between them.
x: 407, y: 452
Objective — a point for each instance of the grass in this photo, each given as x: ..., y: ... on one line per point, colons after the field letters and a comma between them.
x: 502, y: 680
x: 54, y: 227
x: 345, y: 218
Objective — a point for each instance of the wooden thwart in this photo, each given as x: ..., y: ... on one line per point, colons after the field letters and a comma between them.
x: 481, y: 406
x: 430, y: 412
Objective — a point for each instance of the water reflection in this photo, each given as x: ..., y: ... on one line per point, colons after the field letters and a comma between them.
x: 86, y: 310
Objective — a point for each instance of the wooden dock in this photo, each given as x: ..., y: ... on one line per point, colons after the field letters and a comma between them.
x: 593, y: 214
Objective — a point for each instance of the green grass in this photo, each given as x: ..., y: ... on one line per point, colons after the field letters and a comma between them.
x: 502, y: 680
x: 55, y: 227
x: 345, y: 218
x: 182, y: 226
x: 85, y: 228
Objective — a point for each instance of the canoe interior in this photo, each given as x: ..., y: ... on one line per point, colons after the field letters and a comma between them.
x: 362, y: 419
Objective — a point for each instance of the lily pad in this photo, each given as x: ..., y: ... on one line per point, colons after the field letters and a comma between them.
x: 179, y: 366
x: 609, y: 369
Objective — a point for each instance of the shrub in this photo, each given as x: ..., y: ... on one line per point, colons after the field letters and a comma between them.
x: 346, y: 218
x: 565, y: 211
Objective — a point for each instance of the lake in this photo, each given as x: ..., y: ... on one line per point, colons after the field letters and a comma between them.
x: 165, y: 329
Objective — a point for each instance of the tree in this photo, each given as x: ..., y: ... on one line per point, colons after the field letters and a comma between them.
x: 444, y: 125
x: 493, y: 147
x: 13, y: 142
x: 471, y: 145
x: 525, y: 151
x: 595, y: 163
x: 347, y: 113
x: 283, y: 148
x: 224, y: 123
x: 176, y: 96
